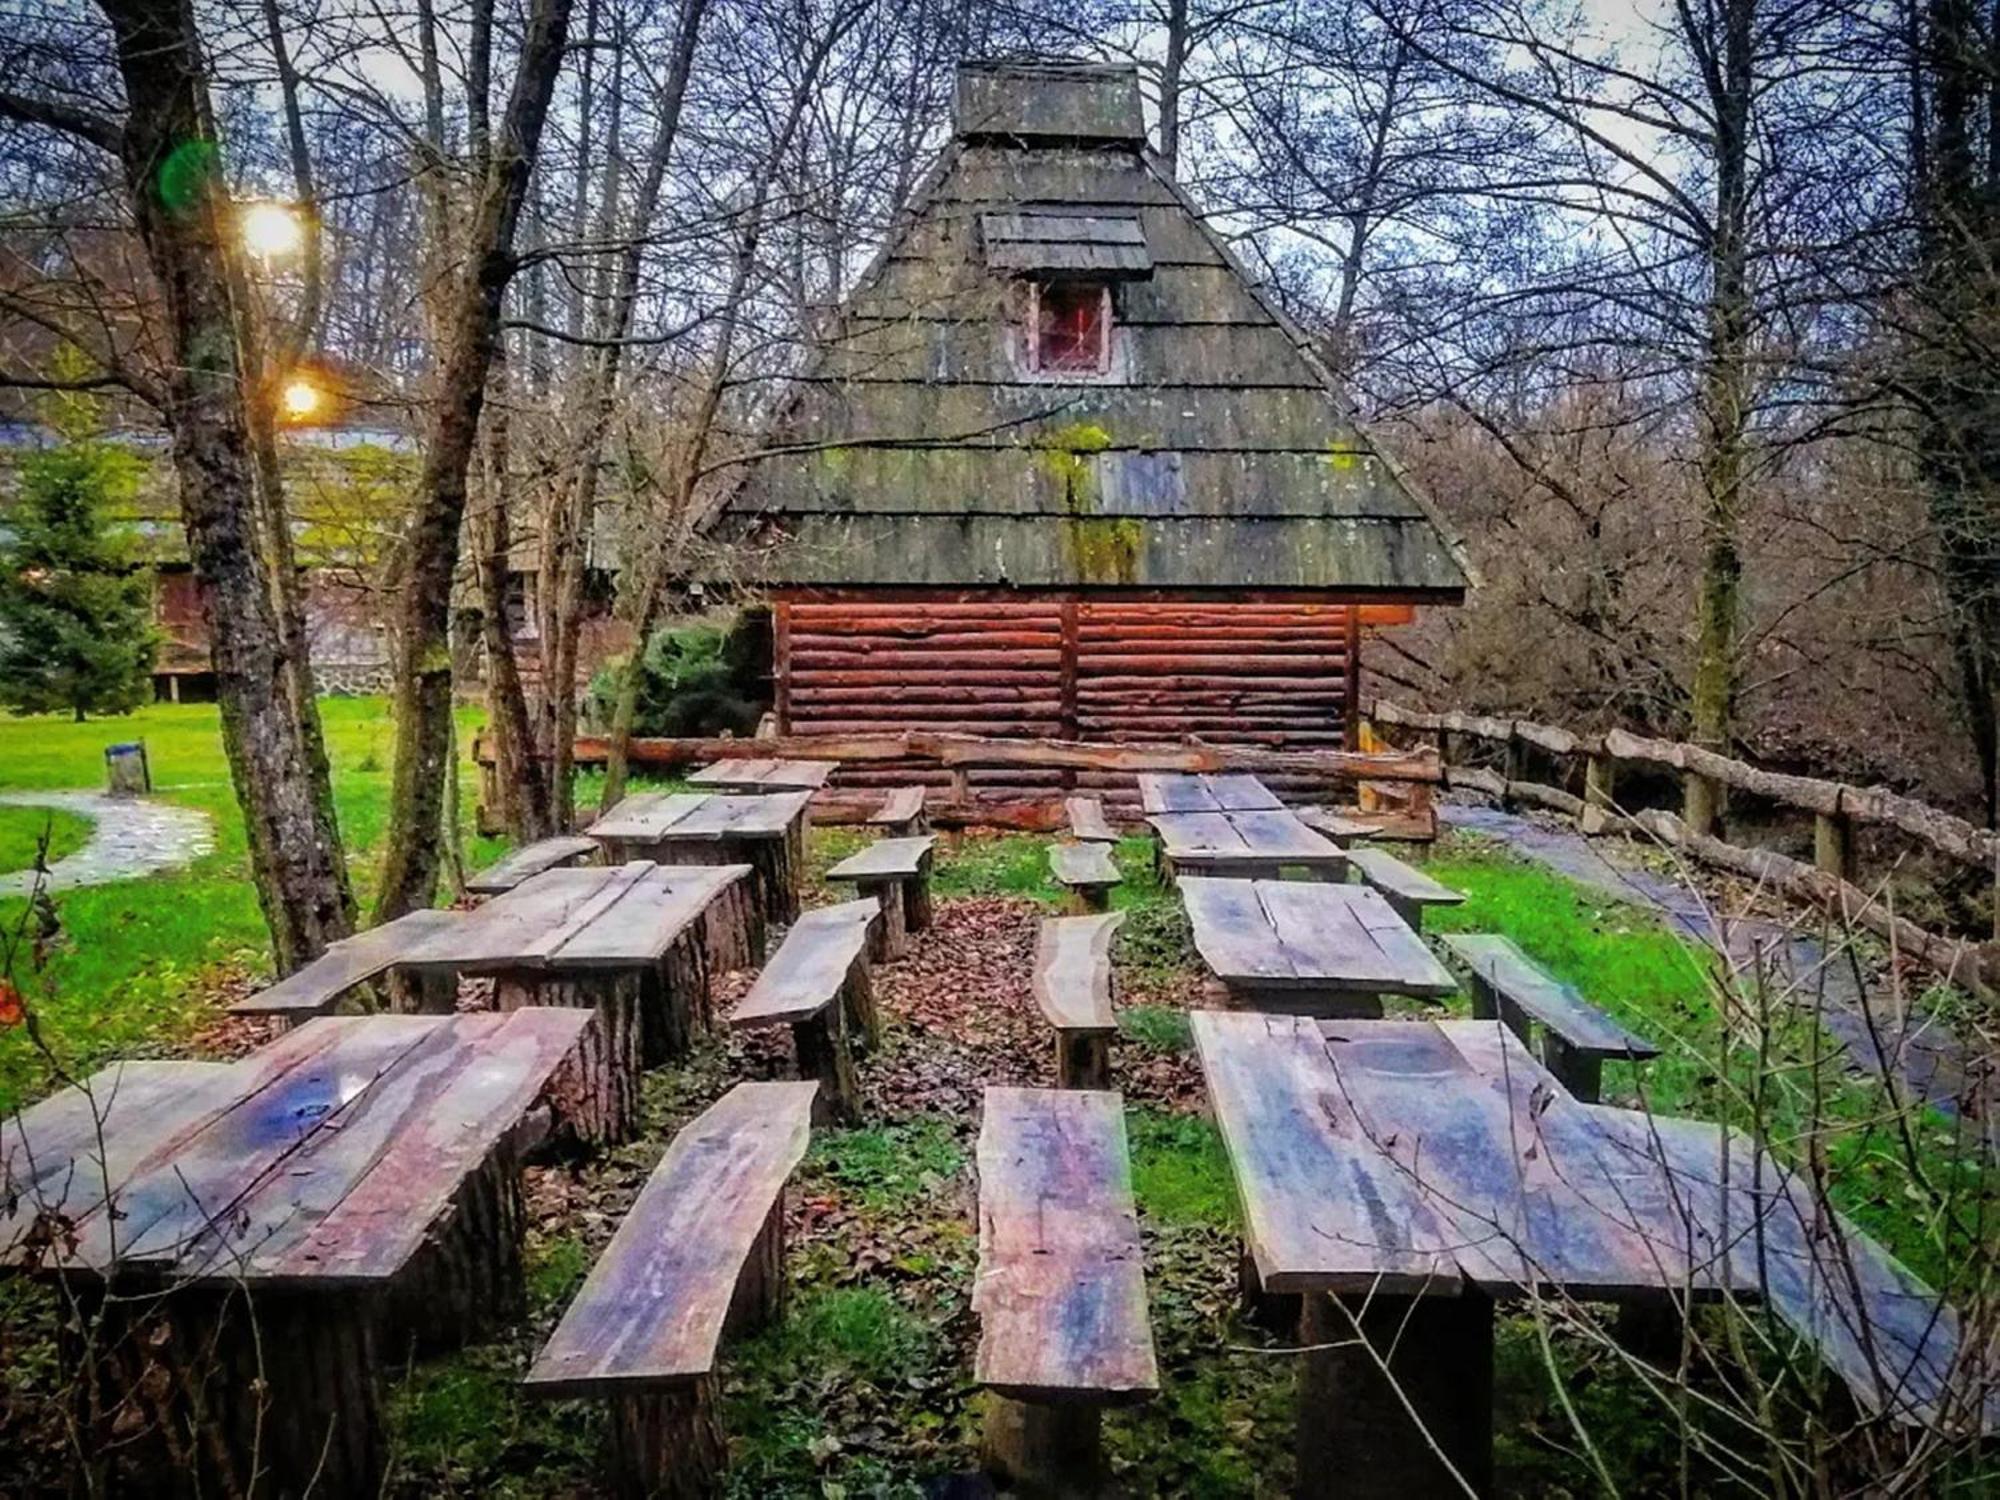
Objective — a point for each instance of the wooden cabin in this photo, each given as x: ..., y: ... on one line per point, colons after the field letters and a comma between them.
x: 1063, y: 470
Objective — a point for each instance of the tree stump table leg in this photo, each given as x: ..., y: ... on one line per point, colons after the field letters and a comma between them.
x: 1043, y: 1450
x: 422, y: 992
x: 888, y: 939
x: 1356, y: 1438
x: 469, y: 1278
x: 595, y: 1094
x: 1323, y: 1005
x: 1274, y: 1312
x: 823, y: 1054
x: 674, y: 1000
x: 1083, y: 1061
x: 667, y: 1445
x: 1412, y: 912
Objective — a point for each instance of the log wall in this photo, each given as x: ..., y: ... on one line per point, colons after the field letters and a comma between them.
x: 1280, y: 676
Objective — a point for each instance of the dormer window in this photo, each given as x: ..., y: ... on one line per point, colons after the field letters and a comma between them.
x: 1070, y: 323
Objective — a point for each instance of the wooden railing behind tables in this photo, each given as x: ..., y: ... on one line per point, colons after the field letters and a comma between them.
x: 949, y: 763
x: 1836, y: 808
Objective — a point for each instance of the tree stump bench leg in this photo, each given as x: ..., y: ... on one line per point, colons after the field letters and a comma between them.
x: 917, y: 899
x: 1581, y: 1073
x: 1274, y: 1312
x: 1083, y: 1060
x: 1045, y: 1450
x: 888, y: 939
x: 857, y: 998
x: 1086, y: 900
x: 595, y: 1093
x: 1356, y: 1437
x: 1412, y: 912
x: 667, y: 1445
x: 823, y: 1053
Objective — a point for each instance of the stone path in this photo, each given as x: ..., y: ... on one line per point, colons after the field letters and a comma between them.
x: 133, y: 836
x: 1929, y: 1061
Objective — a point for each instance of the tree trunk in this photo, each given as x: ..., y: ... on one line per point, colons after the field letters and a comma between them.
x: 276, y: 761
x: 472, y: 334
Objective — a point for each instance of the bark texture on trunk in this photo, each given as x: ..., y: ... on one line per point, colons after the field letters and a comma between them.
x: 471, y: 329
x: 230, y: 508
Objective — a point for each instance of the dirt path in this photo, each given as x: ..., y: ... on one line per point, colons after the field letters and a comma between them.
x: 131, y: 837
x: 1923, y: 1054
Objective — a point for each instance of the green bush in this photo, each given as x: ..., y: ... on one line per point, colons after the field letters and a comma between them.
x: 699, y: 679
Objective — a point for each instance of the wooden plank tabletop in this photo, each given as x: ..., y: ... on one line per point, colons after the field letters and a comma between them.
x: 530, y: 859
x: 1072, y: 975
x: 764, y: 775
x: 1269, y: 837
x: 1185, y: 792
x: 352, y: 961
x: 1496, y: 959
x: 806, y: 973
x: 719, y: 817
x: 1061, y: 1290
x: 651, y: 1310
x: 645, y: 816
x: 885, y: 859
x: 604, y: 916
x: 1387, y: 873
x: 322, y: 1158
x: 1281, y: 934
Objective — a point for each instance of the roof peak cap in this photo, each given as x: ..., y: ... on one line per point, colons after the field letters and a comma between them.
x: 1049, y: 101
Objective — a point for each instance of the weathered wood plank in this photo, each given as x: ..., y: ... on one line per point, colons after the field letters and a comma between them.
x: 1232, y: 932
x: 1308, y: 935
x: 1072, y: 974
x: 651, y: 1311
x: 644, y: 817
x: 353, y: 961
x: 1087, y: 821
x: 901, y: 811
x: 530, y: 859
x: 1495, y: 960
x: 886, y: 859
x: 648, y: 916
x: 1061, y: 1291
x: 1392, y: 877
x: 805, y: 976
x: 1088, y: 866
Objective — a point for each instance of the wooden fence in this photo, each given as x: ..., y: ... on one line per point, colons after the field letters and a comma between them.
x: 1019, y: 783
x: 1837, y: 809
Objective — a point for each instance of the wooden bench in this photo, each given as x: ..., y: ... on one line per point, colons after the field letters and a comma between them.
x: 1072, y: 985
x: 1408, y: 891
x: 1336, y: 826
x: 1086, y: 873
x: 701, y: 1253
x: 1576, y: 1036
x: 1061, y: 1291
x: 530, y: 859
x: 818, y: 984
x: 901, y: 814
x: 897, y: 873
x: 1087, y: 823
x: 315, y: 989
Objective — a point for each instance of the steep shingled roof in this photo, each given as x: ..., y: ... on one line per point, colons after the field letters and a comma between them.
x: 1215, y: 454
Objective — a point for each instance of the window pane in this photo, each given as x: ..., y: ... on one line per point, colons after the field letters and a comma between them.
x: 1071, y: 335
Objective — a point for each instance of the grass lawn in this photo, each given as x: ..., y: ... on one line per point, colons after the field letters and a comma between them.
x: 21, y: 830
x: 139, y: 958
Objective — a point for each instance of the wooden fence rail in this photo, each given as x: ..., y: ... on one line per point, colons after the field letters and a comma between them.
x: 1829, y: 881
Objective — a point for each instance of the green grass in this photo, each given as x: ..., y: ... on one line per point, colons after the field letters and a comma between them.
x: 1158, y: 1028
x: 138, y: 957
x: 21, y: 830
x: 887, y: 1167
x: 1180, y: 1171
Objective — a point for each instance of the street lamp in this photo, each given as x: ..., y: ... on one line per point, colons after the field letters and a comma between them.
x: 272, y: 230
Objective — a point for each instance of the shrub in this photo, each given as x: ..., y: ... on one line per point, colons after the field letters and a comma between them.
x: 698, y: 679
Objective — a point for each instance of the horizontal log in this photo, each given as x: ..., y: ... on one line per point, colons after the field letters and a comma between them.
x: 1146, y: 663
x: 972, y: 704
x: 935, y: 640
x: 977, y: 750
x: 907, y: 657
x: 883, y: 676
x: 1475, y: 779
x: 1479, y: 726
x: 1554, y: 798
x: 973, y: 609
x: 1974, y: 967
x: 1333, y: 636
x: 940, y: 693
x: 1331, y: 682
x: 1007, y: 728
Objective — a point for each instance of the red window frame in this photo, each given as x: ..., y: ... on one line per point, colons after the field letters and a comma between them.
x: 1069, y: 328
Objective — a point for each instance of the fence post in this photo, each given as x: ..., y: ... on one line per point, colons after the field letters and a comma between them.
x: 1600, y: 775
x: 1833, y: 845
x: 1510, y: 767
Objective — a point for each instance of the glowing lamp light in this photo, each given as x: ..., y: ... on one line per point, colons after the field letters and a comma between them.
x: 272, y: 230
x: 300, y: 398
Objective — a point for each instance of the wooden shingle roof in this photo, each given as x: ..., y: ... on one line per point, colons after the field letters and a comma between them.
x: 1214, y: 454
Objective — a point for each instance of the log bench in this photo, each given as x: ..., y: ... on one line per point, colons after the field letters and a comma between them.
x: 1408, y: 891
x: 1072, y: 985
x: 1086, y: 873
x: 700, y: 1254
x: 897, y: 873
x: 818, y: 983
x: 1087, y: 823
x: 317, y: 988
x: 530, y: 859
x: 1061, y: 1290
x: 1576, y: 1036
x: 901, y: 814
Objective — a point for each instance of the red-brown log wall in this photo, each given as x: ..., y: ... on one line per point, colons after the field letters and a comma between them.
x: 1272, y: 674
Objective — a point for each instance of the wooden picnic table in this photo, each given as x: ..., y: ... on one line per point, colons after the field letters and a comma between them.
x: 763, y: 775
x: 354, y: 1186
x: 638, y: 943
x: 1401, y: 1176
x: 1247, y: 844
x: 766, y: 832
x: 1308, y: 948
x: 1185, y: 792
